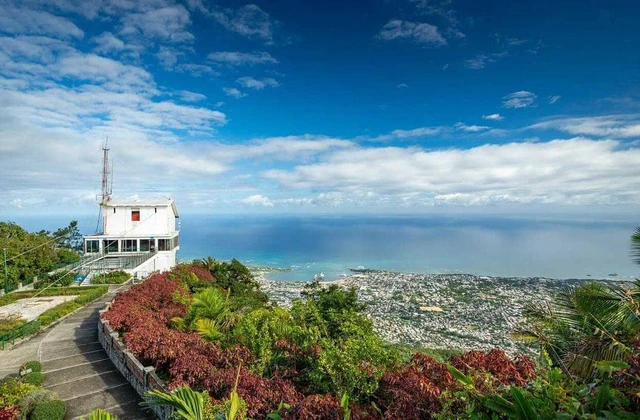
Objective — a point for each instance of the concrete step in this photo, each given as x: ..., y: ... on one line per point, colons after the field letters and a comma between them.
x: 92, y: 384
x: 131, y: 411
x: 77, y: 372
x: 109, y: 399
x: 73, y: 360
x: 50, y: 347
x: 70, y: 350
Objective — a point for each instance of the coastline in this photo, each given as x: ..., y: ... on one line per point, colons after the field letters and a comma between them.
x: 439, y: 311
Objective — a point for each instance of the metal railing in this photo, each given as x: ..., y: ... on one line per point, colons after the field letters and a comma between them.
x: 24, y: 330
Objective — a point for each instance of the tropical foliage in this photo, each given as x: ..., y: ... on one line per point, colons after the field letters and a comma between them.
x: 34, y: 254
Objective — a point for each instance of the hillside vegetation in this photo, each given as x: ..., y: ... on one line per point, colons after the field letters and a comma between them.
x: 225, y: 350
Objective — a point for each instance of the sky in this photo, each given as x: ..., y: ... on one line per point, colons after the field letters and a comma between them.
x: 398, y: 106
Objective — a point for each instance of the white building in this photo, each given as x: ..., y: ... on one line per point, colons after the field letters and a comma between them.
x: 143, y: 232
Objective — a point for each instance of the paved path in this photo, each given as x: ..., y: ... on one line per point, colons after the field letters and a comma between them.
x: 77, y: 368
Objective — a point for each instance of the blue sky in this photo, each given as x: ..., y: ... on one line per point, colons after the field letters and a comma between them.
x: 322, y: 107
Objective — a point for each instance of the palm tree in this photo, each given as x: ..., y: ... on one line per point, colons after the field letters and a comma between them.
x: 587, y: 324
x: 209, y: 314
x: 209, y: 263
x: 191, y: 405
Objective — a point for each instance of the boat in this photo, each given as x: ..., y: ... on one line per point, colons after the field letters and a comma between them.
x: 614, y: 275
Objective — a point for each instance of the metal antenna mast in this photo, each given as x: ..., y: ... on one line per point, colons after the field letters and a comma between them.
x: 106, y: 172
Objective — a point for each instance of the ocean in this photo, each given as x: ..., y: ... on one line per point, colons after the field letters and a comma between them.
x: 491, y: 246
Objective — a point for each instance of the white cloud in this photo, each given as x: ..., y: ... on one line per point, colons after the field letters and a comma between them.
x: 249, y: 20
x: 97, y: 69
x: 470, y: 128
x: 258, y: 84
x: 235, y: 58
x: 554, y: 99
x: 107, y: 43
x: 188, y: 96
x: 480, y: 61
x: 493, y: 117
x: 423, y: 33
x: 520, y: 99
x: 257, y: 200
x: 615, y: 126
x: 575, y: 171
x: 164, y: 24
x: 233, y: 92
x: 34, y: 22
x: 402, y: 86
x: 196, y: 70
x: 407, y: 134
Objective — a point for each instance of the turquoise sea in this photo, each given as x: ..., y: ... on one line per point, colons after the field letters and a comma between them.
x: 555, y: 248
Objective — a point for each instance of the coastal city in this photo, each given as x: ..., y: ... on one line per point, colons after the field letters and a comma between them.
x: 439, y: 311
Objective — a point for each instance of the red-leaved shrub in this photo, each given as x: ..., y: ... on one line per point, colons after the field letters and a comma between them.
x: 9, y: 412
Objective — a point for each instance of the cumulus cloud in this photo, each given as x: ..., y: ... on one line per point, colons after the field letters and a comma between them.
x: 34, y: 22
x: 616, y: 126
x: 520, y: 99
x: 233, y: 92
x: 164, y: 24
x: 257, y: 200
x: 575, y: 171
x: 493, y: 117
x: 235, y: 58
x: 257, y: 84
x: 423, y: 33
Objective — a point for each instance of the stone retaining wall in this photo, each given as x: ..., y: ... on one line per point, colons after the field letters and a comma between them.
x: 142, y: 378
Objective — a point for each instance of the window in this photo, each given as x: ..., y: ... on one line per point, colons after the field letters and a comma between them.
x: 91, y: 246
x: 144, y: 245
x: 110, y: 245
x: 175, y: 242
x: 164, y: 244
x: 135, y: 215
x: 129, y: 245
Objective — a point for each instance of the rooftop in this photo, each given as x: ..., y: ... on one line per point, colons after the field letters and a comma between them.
x: 158, y: 202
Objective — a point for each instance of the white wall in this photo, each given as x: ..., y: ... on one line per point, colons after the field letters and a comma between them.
x: 151, y: 222
x: 162, y: 261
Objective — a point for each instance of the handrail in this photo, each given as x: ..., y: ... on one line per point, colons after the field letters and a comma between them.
x: 18, y: 332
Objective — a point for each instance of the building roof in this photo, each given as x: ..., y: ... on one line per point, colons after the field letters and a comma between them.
x: 144, y: 203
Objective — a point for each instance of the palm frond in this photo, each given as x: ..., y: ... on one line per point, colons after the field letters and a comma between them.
x: 635, y: 246
x: 188, y: 404
x: 208, y: 329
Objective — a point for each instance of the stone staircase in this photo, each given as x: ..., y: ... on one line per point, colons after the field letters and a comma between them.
x: 80, y: 372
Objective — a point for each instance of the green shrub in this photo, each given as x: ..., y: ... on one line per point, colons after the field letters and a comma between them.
x: 34, y: 398
x: 58, y: 279
x: 12, y: 391
x: 34, y: 365
x: 114, y: 277
x: 49, y: 410
x: 34, y: 378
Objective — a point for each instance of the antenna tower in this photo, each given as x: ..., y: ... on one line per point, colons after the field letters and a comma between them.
x: 107, y: 180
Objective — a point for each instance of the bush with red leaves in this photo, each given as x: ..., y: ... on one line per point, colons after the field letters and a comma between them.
x: 183, y: 270
x: 10, y: 412
x: 327, y: 407
x: 413, y: 391
x: 497, y: 363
